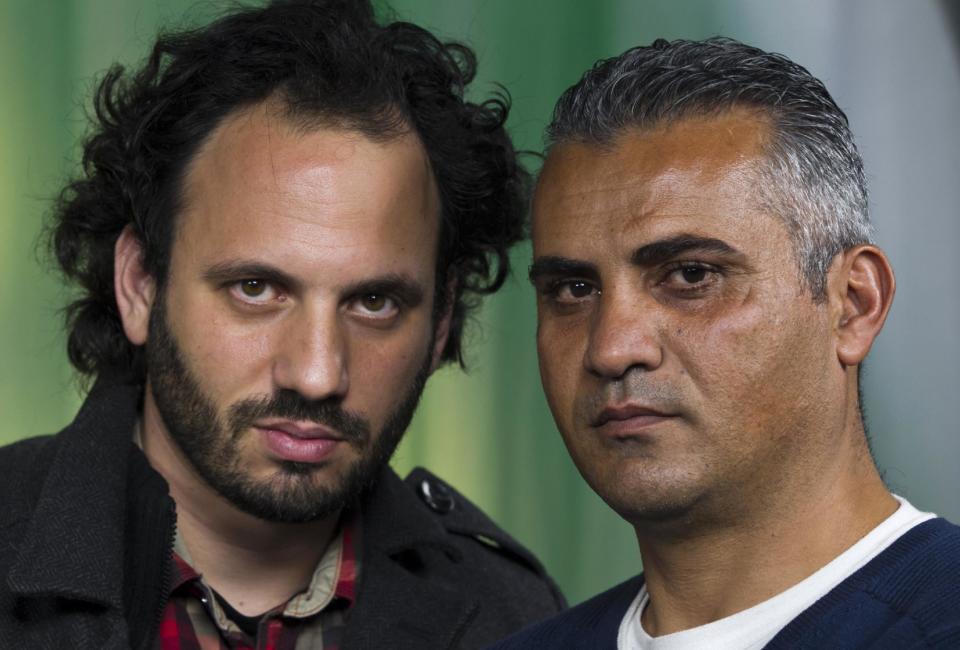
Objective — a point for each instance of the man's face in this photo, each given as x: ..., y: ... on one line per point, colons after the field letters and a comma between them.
x: 295, y: 332
x: 685, y: 367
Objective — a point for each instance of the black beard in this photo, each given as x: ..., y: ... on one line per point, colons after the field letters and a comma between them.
x: 211, y: 446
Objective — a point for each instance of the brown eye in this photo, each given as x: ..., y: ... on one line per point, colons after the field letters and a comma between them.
x: 580, y: 289
x: 374, y: 302
x: 571, y: 292
x: 375, y: 307
x: 691, y: 279
x: 254, y: 292
x: 693, y: 274
x: 253, y: 288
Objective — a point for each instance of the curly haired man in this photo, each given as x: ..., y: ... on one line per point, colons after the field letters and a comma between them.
x: 282, y: 221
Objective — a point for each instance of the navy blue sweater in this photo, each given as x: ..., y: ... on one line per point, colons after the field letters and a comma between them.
x: 906, y: 597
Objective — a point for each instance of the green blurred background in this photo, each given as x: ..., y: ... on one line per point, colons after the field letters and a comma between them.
x: 893, y: 66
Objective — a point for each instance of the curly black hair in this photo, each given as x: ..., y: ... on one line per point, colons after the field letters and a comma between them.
x: 331, y: 63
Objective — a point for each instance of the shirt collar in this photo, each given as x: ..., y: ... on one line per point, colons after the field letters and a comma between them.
x: 334, y: 577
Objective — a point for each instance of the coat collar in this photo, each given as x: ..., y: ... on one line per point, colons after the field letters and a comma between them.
x: 397, y: 608
x: 73, y: 544
x: 395, y: 520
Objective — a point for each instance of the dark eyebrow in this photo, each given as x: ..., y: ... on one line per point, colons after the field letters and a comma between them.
x: 235, y: 270
x: 665, y: 250
x: 551, y: 266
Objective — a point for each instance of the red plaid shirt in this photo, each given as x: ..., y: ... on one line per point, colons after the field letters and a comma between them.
x: 313, y: 619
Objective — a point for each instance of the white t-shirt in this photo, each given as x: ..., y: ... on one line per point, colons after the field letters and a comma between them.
x: 755, y: 627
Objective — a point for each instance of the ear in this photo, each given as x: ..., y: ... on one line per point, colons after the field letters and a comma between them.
x: 861, y: 286
x: 442, y: 332
x: 134, y: 288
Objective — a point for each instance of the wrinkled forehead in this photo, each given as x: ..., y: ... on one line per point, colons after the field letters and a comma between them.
x: 695, y: 179
x: 685, y: 160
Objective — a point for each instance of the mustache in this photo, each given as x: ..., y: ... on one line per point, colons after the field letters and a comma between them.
x: 291, y: 405
x: 636, y: 386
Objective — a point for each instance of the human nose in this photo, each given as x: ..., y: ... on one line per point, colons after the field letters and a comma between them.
x: 623, y: 335
x: 312, y: 357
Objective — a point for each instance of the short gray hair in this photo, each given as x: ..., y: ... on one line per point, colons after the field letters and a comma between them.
x: 813, y: 177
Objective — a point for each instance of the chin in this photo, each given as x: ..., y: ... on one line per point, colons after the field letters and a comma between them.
x: 295, y: 492
x: 649, y: 499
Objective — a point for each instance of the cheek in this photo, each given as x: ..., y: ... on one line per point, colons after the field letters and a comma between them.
x: 556, y: 372
x: 750, y: 366
x: 385, y: 366
x: 227, y: 358
x: 236, y: 353
x: 724, y: 356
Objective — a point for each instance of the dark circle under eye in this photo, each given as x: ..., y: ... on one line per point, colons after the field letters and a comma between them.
x: 253, y: 288
x: 374, y: 302
x: 580, y: 289
x: 693, y: 274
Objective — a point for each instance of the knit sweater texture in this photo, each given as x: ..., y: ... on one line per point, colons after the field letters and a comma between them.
x: 906, y: 597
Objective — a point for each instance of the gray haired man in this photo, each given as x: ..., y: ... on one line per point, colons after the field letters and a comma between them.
x: 707, y: 290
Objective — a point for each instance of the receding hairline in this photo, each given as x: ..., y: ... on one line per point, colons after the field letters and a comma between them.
x: 280, y: 115
x: 300, y: 119
x: 273, y: 116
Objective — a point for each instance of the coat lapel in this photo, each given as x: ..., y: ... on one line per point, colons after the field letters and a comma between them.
x: 73, y: 544
x: 398, y: 610
x: 397, y: 607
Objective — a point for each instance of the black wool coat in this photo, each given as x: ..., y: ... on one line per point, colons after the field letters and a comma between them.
x: 87, y: 528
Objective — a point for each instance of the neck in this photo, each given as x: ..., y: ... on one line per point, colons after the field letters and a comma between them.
x: 254, y: 564
x: 698, y: 574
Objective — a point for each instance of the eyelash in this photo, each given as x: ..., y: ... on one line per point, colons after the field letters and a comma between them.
x: 275, y: 294
x: 372, y: 315
x: 552, y: 290
x: 236, y: 290
x: 712, y: 275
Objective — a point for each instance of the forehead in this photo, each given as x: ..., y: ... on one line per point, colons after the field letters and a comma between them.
x: 694, y: 175
x: 260, y: 188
